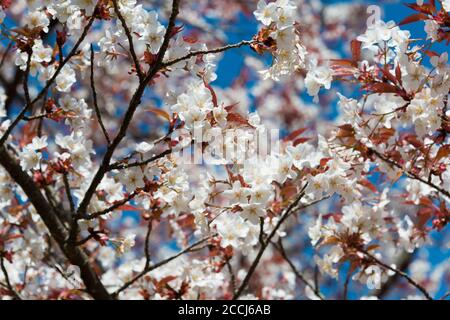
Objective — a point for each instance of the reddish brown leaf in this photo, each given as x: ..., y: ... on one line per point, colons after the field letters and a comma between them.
x: 369, y: 185
x: 213, y: 93
x: 383, y: 87
x: 443, y: 152
x: 295, y: 134
x: 160, y: 113
x: 355, y: 46
x: 413, y: 18
x: 425, y: 8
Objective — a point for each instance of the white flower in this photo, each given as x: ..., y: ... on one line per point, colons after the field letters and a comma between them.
x: 87, y: 5
x: 132, y: 178
x: 29, y: 158
x: 144, y: 147
x: 237, y: 194
x: 315, y: 232
x: 446, y: 179
x: 446, y: 5
x: 39, y: 143
x: 252, y: 212
x: 126, y: 243
x: 316, y: 78
x: 38, y: 19
x: 65, y: 79
x: 155, y: 37
x: 265, y: 12
x: 41, y: 53
x: 285, y: 16
x: 220, y: 115
x: 432, y: 30
x: 440, y: 62
x: 75, y: 20
x: 232, y: 230
x: 317, y: 186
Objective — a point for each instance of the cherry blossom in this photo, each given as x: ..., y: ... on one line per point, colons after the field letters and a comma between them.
x: 138, y: 162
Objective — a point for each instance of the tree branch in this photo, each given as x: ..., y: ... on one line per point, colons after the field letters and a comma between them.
x: 411, y: 175
x: 401, y: 273
x: 94, y: 98
x: 74, y: 254
x: 283, y: 253
x: 130, y: 40
x: 263, y: 247
x: 115, y: 206
x: 157, y: 265
x: 121, y: 166
x: 203, y: 52
x: 8, y: 282
x: 403, y: 262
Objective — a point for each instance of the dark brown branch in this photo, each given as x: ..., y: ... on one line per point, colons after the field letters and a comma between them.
x: 115, y: 206
x: 346, y: 283
x: 297, y: 273
x: 232, y: 276
x: 130, y: 40
x: 95, y: 99
x: 147, y: 244
x: 36, y: 117
x: 399, y: 272
x: 403, y: 263
x: 445, y: 296
x: 411, y: 175
x: 5, y: 54
x: 68, y: 193
x: 8, y: 281
x: 121, y: 166
x: 75, y: 255
x: 203, y: 52
x: 25, y: 80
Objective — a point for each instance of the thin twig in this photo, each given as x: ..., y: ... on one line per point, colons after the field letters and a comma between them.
x: 25, y: 80
x: 5, y: 54
x: 68, y: 193
x: 203, y: 52
x: 263, y: 247
x: 147, y: 243
x: 297, y: 273
x: 130, y: 40
x: 399, y: 272
x: 121, y: 166
x: 411, y: 175
x: 232, y: 276
x: 157, y: 265
x: 346, y: 283
x: 94, y: 97
x: 115, y: 206
x: 6, y: 276
x: 36, y: 117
